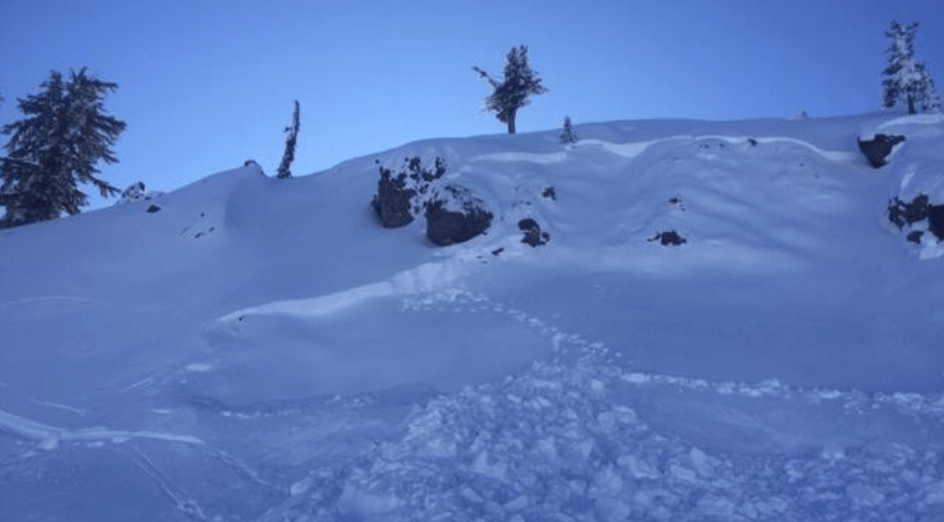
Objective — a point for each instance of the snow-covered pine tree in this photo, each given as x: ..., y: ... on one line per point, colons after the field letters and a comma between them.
x: 291, y: 135
x: 567, y: 132
x: 510, y: 94
x: 904, y: 78
x: 55, y: 147
x: 930, y: 99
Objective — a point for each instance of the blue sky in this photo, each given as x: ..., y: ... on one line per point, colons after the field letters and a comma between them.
x: 207, y: 84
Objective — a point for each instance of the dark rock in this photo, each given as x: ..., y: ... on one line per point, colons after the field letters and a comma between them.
x: 532, y: 233
x: 752, y: 141
x: 253, y: 163
x: 137, y: 192
x: 399, y: 196
x: 498, y: 251
x: 550, y: 193
x: 669, y: 238
x: 454, y: 215
x: 936, y: 220
x: 902, y: 213
x: 878, y: 148
x: 153, y: 208
x: 393, y: 200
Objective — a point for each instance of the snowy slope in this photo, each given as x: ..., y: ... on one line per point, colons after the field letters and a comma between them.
x: 261, y: 349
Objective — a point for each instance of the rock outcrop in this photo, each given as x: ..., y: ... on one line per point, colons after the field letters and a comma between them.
x: 533, y: 235
x: 455, y: 215
x: 878, y: 148
x: 400, y: 195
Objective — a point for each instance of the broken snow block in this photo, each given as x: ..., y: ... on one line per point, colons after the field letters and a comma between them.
x: 878, y: 148
x: 669, y: 238
x: 533, y: 235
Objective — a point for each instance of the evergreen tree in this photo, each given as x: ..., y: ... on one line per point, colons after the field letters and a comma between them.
x: 906, y: 79
x: 510, y: 94
x: 56, y: 147
x: 567, y: 133
x: 291, y: 135
x: 930, y: 99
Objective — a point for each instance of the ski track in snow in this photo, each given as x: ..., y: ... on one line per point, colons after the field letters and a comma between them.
x: 53, y: 298
x: 190, y: 507
x: 63, y: 407
x: 564, y: 441
x: 49, y: 438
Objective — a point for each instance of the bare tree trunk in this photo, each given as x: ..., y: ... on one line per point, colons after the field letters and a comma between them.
x: 911, y: 104
x: 511, y: 121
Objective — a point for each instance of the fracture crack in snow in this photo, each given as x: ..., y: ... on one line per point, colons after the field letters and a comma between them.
x: 49, y: 437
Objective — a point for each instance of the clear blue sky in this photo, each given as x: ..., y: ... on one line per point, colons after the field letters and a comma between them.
x: 207, y: 84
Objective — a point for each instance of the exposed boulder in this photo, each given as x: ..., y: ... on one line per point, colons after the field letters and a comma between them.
x: 393, y: 200
x: 532, y: 233
x: 936, y: 220
x: 400, y: 196
x: 550, y: 193
x: 137, y: 192
x: 669, y: 238
x: 454, y: 215
x: 134, y: 192
x: 252, y: 163
x: 878, y: 148
x: 153, y: 209
x: 907, y: 213
x: 902, y: 213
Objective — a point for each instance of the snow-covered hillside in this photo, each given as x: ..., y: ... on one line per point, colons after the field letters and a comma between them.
x: 253, y: 349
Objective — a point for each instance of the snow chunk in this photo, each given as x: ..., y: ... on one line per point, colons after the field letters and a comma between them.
x: 363, y: 504
x: 864, y: 496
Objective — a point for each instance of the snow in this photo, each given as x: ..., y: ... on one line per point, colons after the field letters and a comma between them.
x: 262, y: 350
